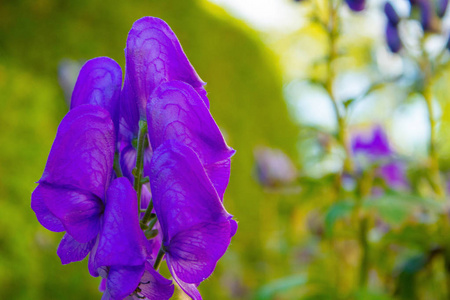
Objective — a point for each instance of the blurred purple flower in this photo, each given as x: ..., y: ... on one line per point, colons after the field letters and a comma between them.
x: 391, y: 14
x: 273, y: 167
x: 356, y: 5
x: 374, y: 148
x: 393, y: 37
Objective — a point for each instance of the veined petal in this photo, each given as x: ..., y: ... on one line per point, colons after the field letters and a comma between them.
x: 176, y: 111
x: 154, y: 286
x: 121, y: 242
x: 193, y: 253
x: 79, y: 211
x: 127, y: 161
x: 99, y: 83
x: 70, y: 250
x: 82, y: 154
x: 183, y: 195
x: 154, y: 55
x: 122, y: 281
x: 189, y: 288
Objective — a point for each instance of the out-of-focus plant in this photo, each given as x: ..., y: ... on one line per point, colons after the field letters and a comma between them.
x: 378, y: 218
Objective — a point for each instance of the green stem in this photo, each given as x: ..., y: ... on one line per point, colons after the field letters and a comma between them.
x: 159, y: 258
x: 117, y: 165
x: 333, y: 33
x: 148, y: 215
x: 364, y: 262
x: 137, y: 171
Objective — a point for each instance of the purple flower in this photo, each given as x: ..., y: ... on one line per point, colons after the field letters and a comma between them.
x: 176, y: 111
x: 393, y: 37
x: 99, y: 83
x: 391, y: 14
x: 153, y: 56
x: 188, y: 172
x: 426, y: 14
x: 273, y: 167
x: 375, y: 148
x: 356, y: 5
x: 71, y: 194
x: 196, y: 227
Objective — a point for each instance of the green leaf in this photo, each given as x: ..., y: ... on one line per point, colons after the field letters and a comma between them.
x: 269, y: 291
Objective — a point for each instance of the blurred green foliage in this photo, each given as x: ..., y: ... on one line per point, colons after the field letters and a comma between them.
x: 245, y: 91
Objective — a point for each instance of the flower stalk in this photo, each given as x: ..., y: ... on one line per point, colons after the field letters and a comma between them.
x: 137, y: 171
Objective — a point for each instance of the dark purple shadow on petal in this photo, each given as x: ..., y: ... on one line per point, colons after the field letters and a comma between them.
x: 176, y: 111
x: 154, y: 55
x: 99, y: 83
x: 79, y: 212
x: 121, y: 241
x: 70, y: 250
x: 82, y: 154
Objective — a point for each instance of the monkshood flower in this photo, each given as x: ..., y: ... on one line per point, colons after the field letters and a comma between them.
x: 374, y: 148
x: 153, y: 56
x: 392, y: 34
x: 196, y: 227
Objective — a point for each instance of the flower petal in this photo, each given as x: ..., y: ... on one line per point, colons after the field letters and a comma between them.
x: 82, y: 154
x: 193, y: 254
x: 70, y: 250
x: 176, y: 111
x: 189, y: 288
x: 154, y: 55
x: 121, y: 241
x: 79, y: 211
x: 99, y: 83
x: 43, y: 214
x: 154, y: 286
x: 183, y: 195
x: 122, y: 281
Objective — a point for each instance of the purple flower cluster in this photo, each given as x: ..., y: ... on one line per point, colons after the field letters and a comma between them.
x: 375, y: 149
x: 168, y: 147
x: 430, y: 13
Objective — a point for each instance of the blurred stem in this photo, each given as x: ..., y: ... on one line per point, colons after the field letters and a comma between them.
x: 333, y: 34
x: 365, y: 189
x: 137, y: 171
x: 433, y: 160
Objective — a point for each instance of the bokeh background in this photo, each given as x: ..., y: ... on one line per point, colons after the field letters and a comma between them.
x: 306, y: 223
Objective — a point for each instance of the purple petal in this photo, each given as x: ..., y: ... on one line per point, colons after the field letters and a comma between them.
x: 122, y: 281
x: 154, y: 286
x: 127, y: 161
x: 356, y: 5
x: 196, y: 227
x: 183, y: 195
x: 442, y: 8
x: 176, y: 111
x: 43, y: 214
x: 99, y: 83
x: 154, y: 55
x: 391, y: 14
x: 121, y: 241
x: 189, y: 288
x: 82, y: 154
x: 102, y: 285
x: 70, y: 250
x: 193, y: 254
x: 78, y: 211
